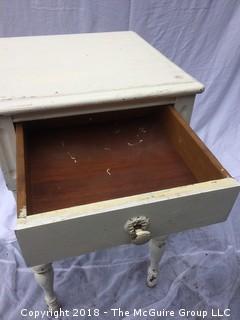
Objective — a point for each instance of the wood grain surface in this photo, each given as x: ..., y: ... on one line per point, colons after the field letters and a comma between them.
x: 90, y: 158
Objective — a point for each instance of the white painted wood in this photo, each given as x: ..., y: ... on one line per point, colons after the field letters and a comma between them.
x: 73, y: 231
x: 65, y: 71
x: 56, y: 76
x: 88, y: 109
x: 44, y: 276
x: 184, y: 105
x: 8, y: 152
x: 156, y: 250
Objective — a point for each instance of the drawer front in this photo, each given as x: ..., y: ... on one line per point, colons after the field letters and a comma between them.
x: 80, y: 179
x: 73, y: 231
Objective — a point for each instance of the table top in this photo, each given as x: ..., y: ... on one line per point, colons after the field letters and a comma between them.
x: 44, y: 72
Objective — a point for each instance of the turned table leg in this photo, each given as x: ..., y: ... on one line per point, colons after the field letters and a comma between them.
x: 44, y: 276
x: 156, y: 249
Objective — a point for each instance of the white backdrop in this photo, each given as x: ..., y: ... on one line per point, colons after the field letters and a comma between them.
x: 200, y: 268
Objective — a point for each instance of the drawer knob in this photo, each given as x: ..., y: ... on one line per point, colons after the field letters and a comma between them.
x: 137, y: 227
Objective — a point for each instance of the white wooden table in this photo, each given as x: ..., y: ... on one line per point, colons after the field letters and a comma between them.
x: 94, y: 142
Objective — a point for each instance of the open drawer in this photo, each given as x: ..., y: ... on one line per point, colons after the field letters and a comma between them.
x: 81, y: 178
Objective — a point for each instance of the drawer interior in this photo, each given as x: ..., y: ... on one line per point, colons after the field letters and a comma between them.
x: 89, y: 158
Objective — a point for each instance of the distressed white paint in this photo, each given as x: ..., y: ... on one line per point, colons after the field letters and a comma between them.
x: 184, y: 105
x: 72, y: 231
x: 8, y: 151
x: 22, y: 214
x: 88, y: 109
x: 44, y: 276
x: 156, y: 250
x: 87, y: 69
x: 56, y: 76
x: 125, y: 202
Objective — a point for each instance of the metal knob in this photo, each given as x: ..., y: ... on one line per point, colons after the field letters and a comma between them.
x: 136, y: 227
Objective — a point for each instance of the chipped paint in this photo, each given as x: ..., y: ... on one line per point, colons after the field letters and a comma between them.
x: 126, y: 202
x: 22, y: 214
